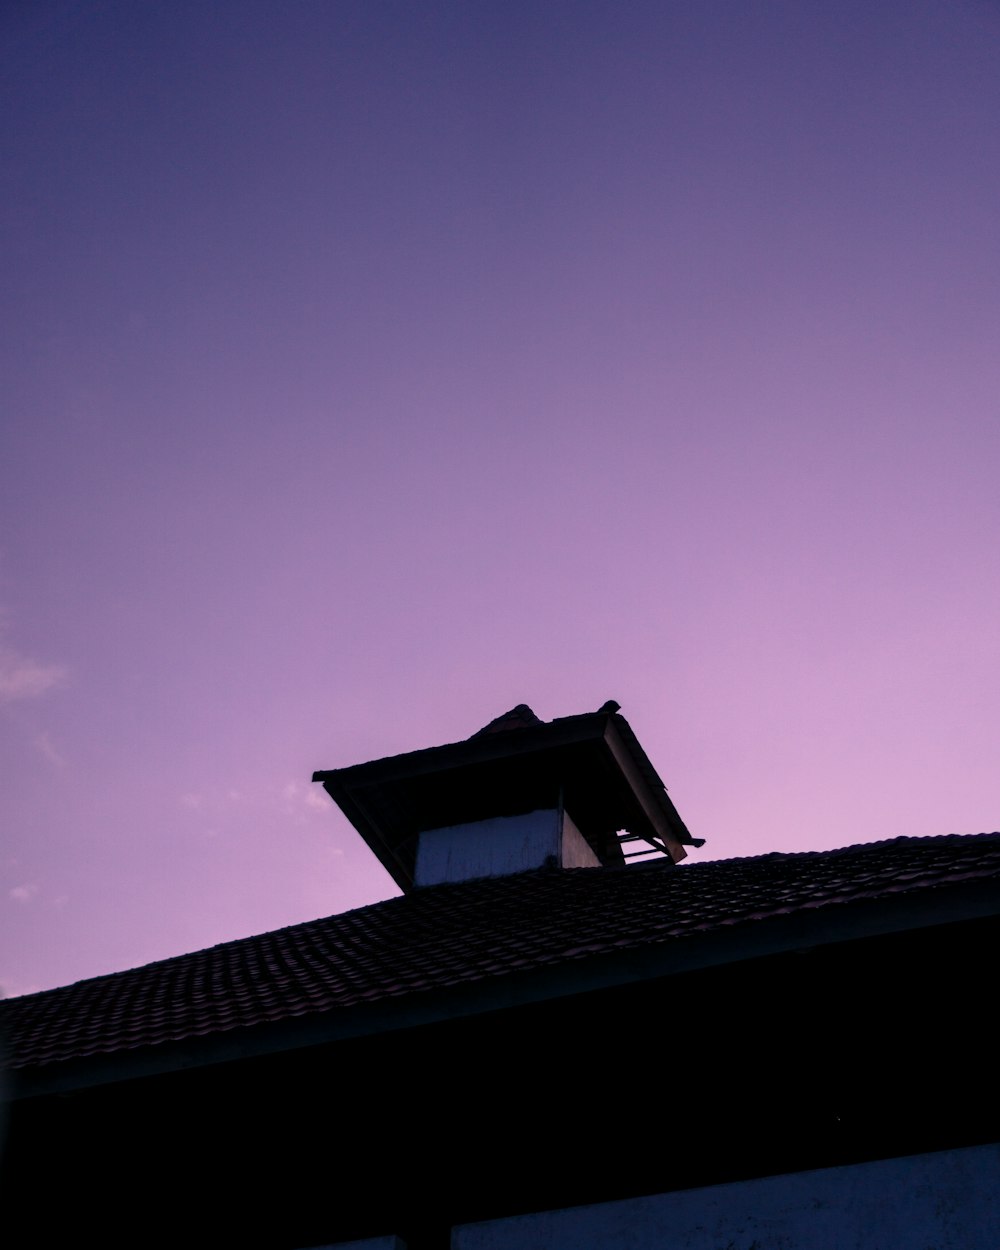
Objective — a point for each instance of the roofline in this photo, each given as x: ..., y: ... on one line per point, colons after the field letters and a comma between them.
x: 741, y: 942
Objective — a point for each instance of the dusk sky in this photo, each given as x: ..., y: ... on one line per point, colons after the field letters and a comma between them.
x: 369, y: 368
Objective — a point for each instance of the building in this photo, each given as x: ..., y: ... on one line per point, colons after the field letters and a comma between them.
x: 555, y: 1037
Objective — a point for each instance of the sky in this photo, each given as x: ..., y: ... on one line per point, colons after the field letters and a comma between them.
x: 370, y: 368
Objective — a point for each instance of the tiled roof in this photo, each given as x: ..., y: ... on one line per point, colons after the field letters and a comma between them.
x: 468, y: 933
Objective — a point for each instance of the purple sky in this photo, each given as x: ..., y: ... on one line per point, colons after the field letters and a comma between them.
x: 370, y: 368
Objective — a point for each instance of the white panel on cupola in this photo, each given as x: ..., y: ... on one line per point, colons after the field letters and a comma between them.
x: 500, y: 846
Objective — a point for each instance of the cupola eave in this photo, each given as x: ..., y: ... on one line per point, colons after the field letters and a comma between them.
x: 590, y: 765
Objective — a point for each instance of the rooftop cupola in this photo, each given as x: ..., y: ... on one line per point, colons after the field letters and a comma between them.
x: 574, y: 792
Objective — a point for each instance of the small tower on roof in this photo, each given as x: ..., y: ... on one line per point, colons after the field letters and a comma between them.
x: 575, y: 792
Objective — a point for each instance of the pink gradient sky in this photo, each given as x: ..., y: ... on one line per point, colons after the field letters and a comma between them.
x: 370, y: 368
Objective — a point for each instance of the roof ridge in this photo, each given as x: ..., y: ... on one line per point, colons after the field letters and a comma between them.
x: 829, y: 852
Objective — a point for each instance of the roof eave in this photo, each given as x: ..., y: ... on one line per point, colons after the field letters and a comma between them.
x: 747, y: 940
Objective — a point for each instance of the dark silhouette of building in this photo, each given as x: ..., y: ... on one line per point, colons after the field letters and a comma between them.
x: 541, y: 1043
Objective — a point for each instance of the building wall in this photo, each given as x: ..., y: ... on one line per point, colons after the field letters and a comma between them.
x: 368, y: 1243
x: 499, y: 846
x: 949, y: 1200
x: 576, y: 851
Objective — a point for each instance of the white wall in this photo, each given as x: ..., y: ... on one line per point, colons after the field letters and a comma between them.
x: 576, y: 850
x: 944, y: 1201
x: 487, y: 848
